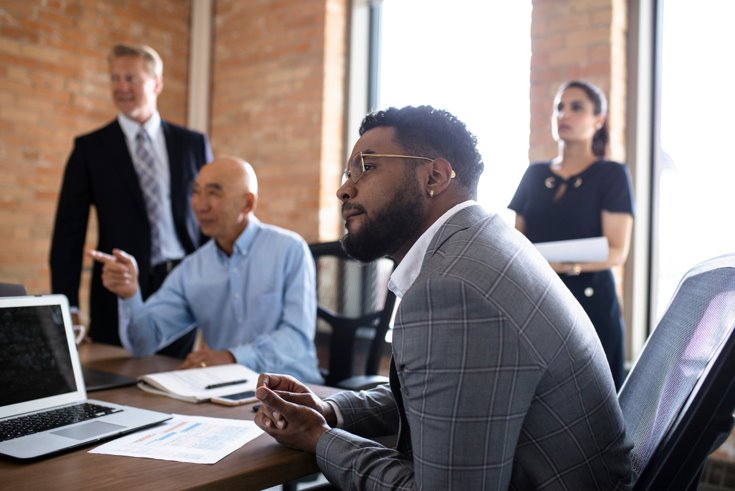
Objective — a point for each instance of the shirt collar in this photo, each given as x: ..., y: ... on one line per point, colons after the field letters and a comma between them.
x: 409, y: 268
x: 130, y: 128
x: 245, y: 241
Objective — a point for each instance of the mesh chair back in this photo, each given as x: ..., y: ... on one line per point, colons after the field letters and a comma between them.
x: 674, y: 393
x: 354, y: 303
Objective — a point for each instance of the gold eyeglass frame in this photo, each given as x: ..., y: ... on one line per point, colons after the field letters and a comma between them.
x: 348, y: 175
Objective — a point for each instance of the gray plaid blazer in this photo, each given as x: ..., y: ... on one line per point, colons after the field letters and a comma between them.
x: 504, y: 382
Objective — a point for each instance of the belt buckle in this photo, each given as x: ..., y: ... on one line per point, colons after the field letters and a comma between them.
x: 169, y: 266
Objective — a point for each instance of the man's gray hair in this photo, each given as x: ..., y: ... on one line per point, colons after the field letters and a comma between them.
x: 153, y: 62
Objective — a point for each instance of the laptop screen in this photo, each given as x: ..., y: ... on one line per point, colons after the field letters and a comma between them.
x: 34, y: 355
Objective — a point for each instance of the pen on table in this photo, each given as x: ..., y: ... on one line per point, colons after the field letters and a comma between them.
x: 225, y: 384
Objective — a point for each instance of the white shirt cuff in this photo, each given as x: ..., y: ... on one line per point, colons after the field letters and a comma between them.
x: 337, y: 413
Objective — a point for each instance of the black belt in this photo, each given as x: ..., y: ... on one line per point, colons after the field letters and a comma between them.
x: 165, y: 267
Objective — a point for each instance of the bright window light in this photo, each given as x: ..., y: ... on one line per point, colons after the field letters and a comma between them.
x: 471, y: 58
x: 695, y: 204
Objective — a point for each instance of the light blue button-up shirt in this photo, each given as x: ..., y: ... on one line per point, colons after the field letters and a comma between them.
x: 259, y: 303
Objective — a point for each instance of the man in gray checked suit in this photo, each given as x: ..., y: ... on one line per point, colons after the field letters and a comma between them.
x: 498, y: 379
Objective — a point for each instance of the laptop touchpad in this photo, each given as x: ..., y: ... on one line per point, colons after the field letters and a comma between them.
x: 88, y: 430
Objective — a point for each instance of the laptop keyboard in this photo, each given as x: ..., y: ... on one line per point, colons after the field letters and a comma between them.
x: 55, y: 418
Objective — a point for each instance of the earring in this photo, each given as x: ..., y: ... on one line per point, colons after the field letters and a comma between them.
x: 431, y: 193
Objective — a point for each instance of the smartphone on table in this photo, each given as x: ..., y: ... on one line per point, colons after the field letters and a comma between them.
x: 235, y: 399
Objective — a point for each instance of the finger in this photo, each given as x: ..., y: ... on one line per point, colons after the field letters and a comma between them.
x: 191, y: 360
x: 295, y: 397
x: 263, y: 380
x: 263, y: 421
x: 272, y: 400
x: 116, y: 270
x: 277, y: 410
x: 115, y: 276
x: 282, y: 382
x: 123, y: 257
x: 269, y: 419
x: 100, y: 257
x: 274, y: 381
x: 279, y: 420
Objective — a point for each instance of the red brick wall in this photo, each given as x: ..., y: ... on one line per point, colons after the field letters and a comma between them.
x: 277, y: 97
x: 53, y: 86
x: 577, y: 39
x: 277, y: 101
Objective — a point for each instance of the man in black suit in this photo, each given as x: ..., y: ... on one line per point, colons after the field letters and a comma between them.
x: 137, y: 172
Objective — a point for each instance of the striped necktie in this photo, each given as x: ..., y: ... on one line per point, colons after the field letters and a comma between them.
x: 151, y: 190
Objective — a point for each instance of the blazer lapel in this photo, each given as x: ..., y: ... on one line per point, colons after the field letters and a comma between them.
x: 175, y: 154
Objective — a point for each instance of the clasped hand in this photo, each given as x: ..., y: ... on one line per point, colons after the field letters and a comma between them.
x: 291, y: 413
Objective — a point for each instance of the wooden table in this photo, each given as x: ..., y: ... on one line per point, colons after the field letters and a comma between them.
x: 259, y: 464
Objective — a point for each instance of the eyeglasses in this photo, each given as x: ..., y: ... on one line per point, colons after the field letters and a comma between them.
x: 356, y: 167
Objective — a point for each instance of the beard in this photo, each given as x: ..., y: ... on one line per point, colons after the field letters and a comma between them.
x: 390, y: 228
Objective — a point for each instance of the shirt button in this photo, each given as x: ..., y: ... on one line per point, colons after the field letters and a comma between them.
x: 589, y: 291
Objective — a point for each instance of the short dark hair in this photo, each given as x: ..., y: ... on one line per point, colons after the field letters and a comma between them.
x: 429, y: 132
x: 597, y: 97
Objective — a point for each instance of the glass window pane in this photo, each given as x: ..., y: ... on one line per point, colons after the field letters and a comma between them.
x: 696, y: 173
x: 471, y: 58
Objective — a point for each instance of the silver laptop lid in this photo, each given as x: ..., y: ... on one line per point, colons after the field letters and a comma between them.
x: 38, y: 356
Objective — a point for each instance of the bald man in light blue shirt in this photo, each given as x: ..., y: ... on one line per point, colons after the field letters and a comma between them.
x: 251, y: 290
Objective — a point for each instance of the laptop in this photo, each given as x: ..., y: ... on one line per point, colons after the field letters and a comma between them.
x: 41, y: 377
x: 94, y: 379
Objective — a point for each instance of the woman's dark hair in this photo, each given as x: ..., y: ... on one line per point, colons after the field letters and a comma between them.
x: 595, y: 95
x: 429, y: 132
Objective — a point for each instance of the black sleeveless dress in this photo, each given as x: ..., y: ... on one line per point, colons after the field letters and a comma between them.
x: 560, y: 209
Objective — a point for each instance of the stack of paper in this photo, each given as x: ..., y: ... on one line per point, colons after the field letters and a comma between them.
x: 588, y: 250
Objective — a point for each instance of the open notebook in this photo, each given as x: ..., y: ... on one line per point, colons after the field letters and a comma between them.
x: 43, y: 403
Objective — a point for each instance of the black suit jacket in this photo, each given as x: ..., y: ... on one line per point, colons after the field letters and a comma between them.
x: 100, y: 173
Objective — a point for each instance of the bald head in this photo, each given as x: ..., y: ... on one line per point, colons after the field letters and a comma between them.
x: 232, y: 171
x: 224, y: 196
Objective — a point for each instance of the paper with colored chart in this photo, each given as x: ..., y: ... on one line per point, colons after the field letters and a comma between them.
x: 194, y: 439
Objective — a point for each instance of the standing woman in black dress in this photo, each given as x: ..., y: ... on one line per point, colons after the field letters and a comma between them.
x: 580, y: 194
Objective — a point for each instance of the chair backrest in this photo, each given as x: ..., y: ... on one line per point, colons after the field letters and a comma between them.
x: 12, y: 290
x: 679, y: 398
x: 354, y: 301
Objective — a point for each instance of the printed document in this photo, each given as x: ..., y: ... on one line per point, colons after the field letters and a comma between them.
x: 194, y: 439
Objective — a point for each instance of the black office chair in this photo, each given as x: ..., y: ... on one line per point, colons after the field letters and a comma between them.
x: 678, y: 399
x: 354, y: 301
x: 12, y: 290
